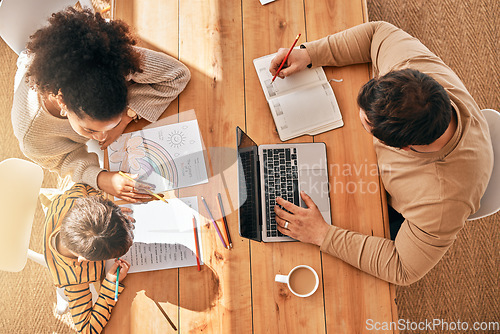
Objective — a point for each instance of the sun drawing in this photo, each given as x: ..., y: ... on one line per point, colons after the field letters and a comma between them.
x: 176, y: 139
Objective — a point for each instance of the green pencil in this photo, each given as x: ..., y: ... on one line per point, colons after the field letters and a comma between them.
x: 117, y: 280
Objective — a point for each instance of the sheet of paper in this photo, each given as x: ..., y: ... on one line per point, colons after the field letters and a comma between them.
x: 308, y: 108
x: 164, y: 235
x: 168, y: 157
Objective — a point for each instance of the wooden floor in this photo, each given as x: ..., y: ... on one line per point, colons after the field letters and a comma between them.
x: 235, y: 292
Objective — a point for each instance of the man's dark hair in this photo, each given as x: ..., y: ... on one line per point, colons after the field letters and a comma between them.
x: 406, y: 107
x: 86, y: 59
x: 96, y: 229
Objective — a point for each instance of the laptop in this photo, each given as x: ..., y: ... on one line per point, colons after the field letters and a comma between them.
x: 266, y: 172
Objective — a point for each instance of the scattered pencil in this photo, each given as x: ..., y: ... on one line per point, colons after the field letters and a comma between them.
x: 286, y: 58
x: 117, y: 281
x: 213, y: 222
x: 165, y: 315
x: 195, y: 229
x: 219, y: 198
x: 107, y: 9
x: 149, y: 191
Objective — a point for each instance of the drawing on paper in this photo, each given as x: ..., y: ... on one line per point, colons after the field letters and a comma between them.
x: 168, y: 157
x: 176, y: 139
x: 138, y: 155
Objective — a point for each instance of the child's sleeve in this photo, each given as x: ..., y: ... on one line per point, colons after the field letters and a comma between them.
x: 90, y: 318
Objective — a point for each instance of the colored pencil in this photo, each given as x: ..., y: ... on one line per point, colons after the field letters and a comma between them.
x: 117, y: 281
x: 165, y: 315
x: 213, y: 222
x: 195, y: 229
x: 225, y: 221
x: 286, y: 57
x: 149, y: 191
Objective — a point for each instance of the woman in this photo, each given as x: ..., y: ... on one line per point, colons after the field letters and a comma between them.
x: 82, y: 78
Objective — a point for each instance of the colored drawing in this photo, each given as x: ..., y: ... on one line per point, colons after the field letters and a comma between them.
x: 159, y: 161
x: 168, y: 157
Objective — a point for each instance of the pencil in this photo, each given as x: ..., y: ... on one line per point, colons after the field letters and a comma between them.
x: 117, y: 281
x: 196, y: 243
x: 165, y: 315
x: 286, y: 57
x: 213, y: 222
x: 107, y: 9
x: 149, y: 191
x: 225, y: 221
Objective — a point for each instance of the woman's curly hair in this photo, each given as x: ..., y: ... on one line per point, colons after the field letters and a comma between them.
x: 86, y: 59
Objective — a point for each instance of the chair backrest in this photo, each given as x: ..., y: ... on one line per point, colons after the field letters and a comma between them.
x: 19, y: 19
x: 490, y: 202
x: 20, y: 182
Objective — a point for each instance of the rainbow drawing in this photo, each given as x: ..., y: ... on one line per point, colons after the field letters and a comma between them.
x: 158, y: 160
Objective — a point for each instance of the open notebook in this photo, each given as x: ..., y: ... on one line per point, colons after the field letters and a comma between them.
x: 303, y: 103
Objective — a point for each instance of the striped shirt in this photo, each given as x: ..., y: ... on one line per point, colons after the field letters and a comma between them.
x: 75, y: 276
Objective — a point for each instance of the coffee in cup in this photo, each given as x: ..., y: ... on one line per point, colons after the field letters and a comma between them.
x: 302, y: 281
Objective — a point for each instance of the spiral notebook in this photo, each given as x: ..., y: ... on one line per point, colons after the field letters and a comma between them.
x: 301, y: 104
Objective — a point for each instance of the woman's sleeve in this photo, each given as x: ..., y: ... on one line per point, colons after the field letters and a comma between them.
x: 162, y: 80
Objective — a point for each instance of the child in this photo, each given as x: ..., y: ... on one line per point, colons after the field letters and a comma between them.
x: 82, y: 230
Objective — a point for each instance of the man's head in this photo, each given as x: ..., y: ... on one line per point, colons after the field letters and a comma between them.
x: 405, y: 108
x: 96, y: 229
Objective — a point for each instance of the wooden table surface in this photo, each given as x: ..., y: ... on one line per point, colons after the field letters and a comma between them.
x: 235, y: 292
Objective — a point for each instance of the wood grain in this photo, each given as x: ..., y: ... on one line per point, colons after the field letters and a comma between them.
x: 219, y: 295
x: 235, y: 292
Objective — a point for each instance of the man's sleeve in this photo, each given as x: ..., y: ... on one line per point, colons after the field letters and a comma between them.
x: 415, y: 251
x: 381, y: 43
x: 90, y: 318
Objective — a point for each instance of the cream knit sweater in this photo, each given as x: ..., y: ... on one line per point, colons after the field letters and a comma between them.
x: 53, y: 144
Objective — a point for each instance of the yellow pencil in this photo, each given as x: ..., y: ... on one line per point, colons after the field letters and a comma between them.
x: 149, y: 191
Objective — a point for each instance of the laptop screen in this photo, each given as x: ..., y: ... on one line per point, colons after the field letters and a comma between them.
x: 248, y: 184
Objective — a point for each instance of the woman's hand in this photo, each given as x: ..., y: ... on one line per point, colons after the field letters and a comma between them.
x: 124, y: 267
x: 296, y: 62
x: 122, y: 187
x: 306, y: 225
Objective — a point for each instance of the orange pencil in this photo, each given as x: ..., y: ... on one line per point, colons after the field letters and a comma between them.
x: 196, y: 242
x: 226, y: 228
x: 286, y: 57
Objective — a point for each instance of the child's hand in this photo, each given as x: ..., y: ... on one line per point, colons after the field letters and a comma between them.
x: 124, y: 267
x: 127, y: 212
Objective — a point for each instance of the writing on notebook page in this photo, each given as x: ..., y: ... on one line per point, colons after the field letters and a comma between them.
x: 303, y: 103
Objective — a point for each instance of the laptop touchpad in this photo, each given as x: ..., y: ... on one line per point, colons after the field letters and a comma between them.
x: 315, y: 183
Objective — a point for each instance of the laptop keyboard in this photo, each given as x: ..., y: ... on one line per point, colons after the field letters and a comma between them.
x: 281, y: 180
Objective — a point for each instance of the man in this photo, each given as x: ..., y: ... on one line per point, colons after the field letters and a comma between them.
x: 432, y: 144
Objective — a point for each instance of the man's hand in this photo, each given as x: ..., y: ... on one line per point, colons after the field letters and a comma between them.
x: 297, y: 61
x: 122, y: 187
x: 306, y: 225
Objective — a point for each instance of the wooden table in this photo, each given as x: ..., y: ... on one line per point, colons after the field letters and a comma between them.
x: 235, y: 292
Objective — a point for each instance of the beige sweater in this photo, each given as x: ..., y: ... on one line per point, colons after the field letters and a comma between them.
x: 435, y: 192
x: 53, y: 144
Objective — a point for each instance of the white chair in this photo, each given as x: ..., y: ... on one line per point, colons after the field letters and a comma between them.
x: 19, y: 19
x: 20, y: 181
x: 490, y: 202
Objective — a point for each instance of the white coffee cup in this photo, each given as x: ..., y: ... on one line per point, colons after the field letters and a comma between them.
x: 302, y: 280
